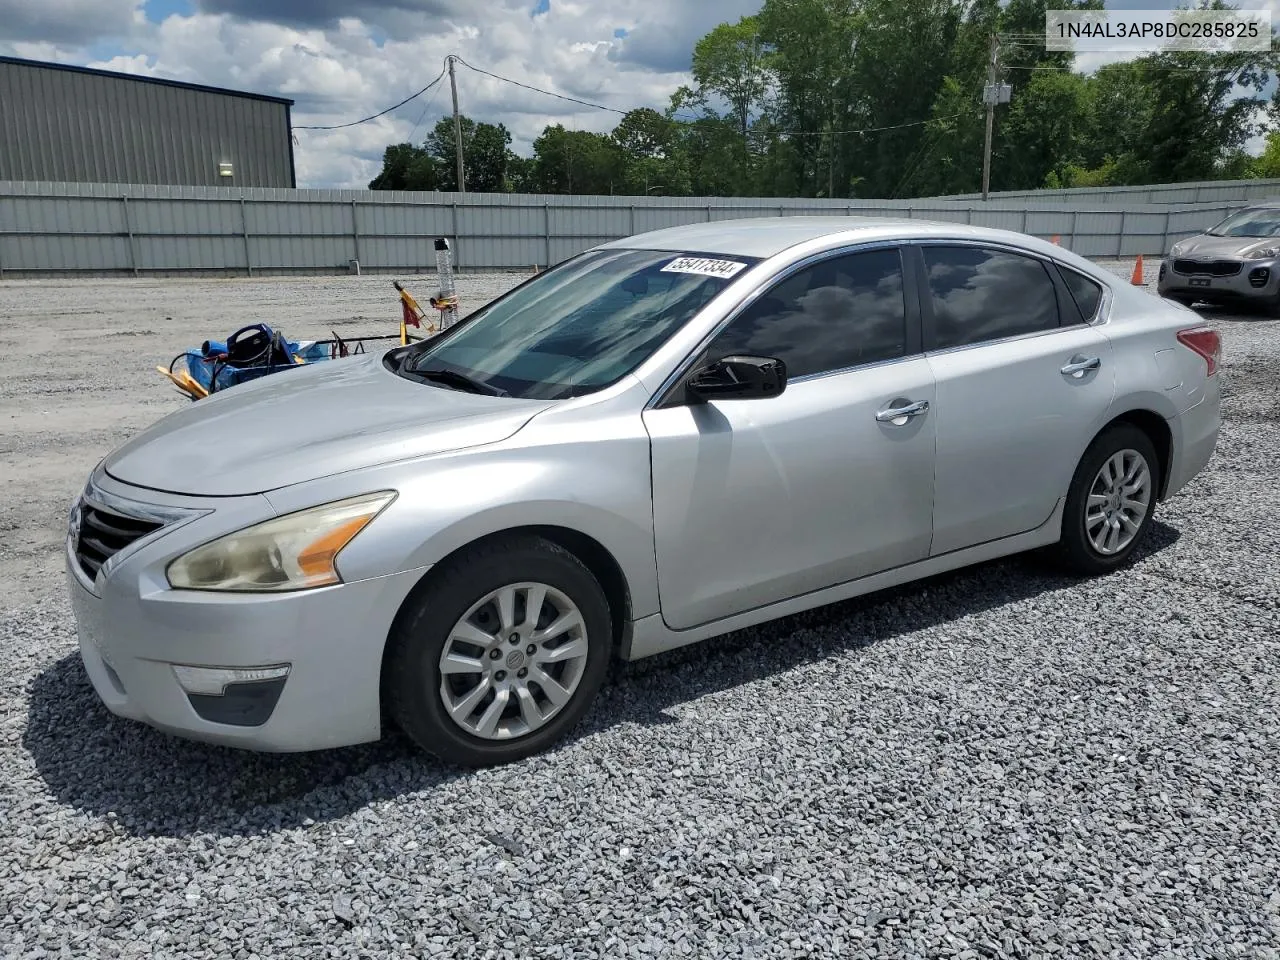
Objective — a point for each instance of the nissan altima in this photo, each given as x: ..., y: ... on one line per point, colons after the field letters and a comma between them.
x: 659, y: 440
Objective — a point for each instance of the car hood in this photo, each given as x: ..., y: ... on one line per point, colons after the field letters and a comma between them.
x: 325, y: 418
x: 1207, y: 247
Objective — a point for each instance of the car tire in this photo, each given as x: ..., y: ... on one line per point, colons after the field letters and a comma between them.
x: 436, y: 617
x: 1078, y: 549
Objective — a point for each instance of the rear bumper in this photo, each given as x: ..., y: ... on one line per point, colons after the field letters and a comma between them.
x: 1195, y: 437
x: 1212, y: 289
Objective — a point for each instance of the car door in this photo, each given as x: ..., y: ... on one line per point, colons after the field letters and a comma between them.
x: 1022, y: 385
x: 759, y: 500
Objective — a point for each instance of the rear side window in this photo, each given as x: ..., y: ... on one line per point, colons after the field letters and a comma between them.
x: 980, y: 294
x: 841, y: 312
x: 1086, y: 293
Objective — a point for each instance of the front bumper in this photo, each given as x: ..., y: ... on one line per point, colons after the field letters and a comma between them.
x: 316, y: 654
x: 1214, y: 289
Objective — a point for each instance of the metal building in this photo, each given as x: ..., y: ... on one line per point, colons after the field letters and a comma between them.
x: 75, y: 124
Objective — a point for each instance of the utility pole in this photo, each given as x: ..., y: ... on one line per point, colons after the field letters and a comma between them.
x: 990, y: 95
x: 457, y: 128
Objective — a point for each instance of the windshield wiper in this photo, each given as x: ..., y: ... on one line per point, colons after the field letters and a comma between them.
x: 460, y: 381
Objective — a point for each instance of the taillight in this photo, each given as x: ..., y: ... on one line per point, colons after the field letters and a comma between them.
x: 1205, y: 342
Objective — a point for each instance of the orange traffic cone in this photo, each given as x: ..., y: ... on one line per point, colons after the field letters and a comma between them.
x: 1055, y: 239
x: 1136, y: 279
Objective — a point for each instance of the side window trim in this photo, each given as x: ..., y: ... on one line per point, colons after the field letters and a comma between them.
x: 667, y: 394
x: 928, y: 318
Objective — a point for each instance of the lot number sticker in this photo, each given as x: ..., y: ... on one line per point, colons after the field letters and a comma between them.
x: 704, y: 266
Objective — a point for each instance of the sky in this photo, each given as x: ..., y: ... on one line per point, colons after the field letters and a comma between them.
x: 341, y: 60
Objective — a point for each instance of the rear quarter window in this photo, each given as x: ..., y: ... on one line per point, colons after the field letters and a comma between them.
x: 1086, y: 293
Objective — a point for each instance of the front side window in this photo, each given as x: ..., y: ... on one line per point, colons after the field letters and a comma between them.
x: 841, y: 312
x: 577, y: 328
x: 981, y: 294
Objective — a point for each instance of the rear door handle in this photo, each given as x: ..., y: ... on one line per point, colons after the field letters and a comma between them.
x: 1078, y: 365
x: 904, y: 413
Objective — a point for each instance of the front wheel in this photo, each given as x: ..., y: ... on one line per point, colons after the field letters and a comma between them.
x: 501, y: 653
x: 1110, y: 502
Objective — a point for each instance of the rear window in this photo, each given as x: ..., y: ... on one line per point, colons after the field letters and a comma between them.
x: 1086, y: 293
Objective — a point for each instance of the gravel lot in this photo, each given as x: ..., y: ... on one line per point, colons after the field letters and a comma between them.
x: 997, y: 763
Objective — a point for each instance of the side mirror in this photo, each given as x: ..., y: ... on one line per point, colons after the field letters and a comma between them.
x: 739, y: 378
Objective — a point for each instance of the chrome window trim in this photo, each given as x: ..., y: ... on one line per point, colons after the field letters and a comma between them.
x: 1013, y: 338
x: 767, y: 282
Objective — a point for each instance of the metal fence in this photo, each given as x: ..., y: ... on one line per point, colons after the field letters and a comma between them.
x: 1208, y: 191
x: 52, y: 229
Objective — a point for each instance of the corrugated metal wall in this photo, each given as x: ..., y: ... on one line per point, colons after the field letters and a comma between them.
x: 69, y: 228
x: 72, y: 125
x: 1209, y: 191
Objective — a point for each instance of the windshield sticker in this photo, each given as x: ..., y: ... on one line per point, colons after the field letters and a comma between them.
x: 704, y: 266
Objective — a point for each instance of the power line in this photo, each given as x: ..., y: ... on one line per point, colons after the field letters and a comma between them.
x: 422, y: 116
x: 382, y: 113
x: 895, y: 126
x: 799, y: 133
x: 549, y: 93
x: 600, y: 106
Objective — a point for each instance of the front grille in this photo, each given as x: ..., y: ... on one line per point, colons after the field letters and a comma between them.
x: 1213, y: 268
x: 104, y: 534
x: 1259, y: 276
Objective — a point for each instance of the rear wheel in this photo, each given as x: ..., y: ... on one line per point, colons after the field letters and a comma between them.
x: 501, y: 654
x: 1110, y: 502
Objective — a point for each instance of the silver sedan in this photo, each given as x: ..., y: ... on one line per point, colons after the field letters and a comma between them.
x: 660, y: 440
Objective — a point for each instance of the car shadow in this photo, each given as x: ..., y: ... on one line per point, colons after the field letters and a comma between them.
x: 129, y: 773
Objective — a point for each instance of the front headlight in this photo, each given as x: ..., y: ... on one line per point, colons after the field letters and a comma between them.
x: 1265, y: 253
x: 294, y: 552
x: 1177, y: 248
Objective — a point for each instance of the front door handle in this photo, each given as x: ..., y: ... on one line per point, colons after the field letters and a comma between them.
x: 904, y: 413
x: 1078, y: 365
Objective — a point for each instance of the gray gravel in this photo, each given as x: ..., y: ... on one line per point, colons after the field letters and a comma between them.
x: 997, y: 763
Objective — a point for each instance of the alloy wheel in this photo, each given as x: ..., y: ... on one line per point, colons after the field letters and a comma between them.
x: 513, y: 661
x: 1118, y: 502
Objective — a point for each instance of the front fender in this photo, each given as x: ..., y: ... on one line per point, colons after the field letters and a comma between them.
x: 595, y: 486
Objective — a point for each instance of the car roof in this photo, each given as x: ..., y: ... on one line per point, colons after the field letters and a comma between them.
x: 766, y: 237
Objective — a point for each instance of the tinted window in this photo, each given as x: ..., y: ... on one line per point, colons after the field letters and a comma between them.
x: 1086, y: 293
x: 580, y: 326
x: 987, y: 294
x: 839, y: 313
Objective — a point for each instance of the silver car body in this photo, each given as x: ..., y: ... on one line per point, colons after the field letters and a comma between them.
x: 1225, y: 269
x: 704, y: 519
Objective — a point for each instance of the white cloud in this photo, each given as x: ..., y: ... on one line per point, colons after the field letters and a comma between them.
x: 68, y: 21
x: 343, y: 61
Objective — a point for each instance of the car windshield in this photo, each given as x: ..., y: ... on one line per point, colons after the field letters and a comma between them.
x: 1249, y: 223
x: 576, y: 328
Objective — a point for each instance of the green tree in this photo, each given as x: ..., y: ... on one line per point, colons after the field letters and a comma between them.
x: 406, y: 167
x: 732, y: 62
x: 1043, y: 130
x: 484, y: 154
x: 486, y: 158
x: 577, y: 161
x: 1267, y: 165
x: 1201, y: 110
